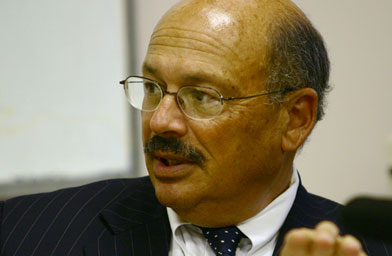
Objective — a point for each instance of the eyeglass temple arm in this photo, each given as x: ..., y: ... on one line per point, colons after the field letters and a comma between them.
x: 124, y: 81
x: 262, y: 94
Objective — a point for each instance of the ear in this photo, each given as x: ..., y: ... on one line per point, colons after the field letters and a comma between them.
x: 302, y: 113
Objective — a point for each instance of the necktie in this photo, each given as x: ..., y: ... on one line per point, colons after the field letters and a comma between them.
x: 223, y: 241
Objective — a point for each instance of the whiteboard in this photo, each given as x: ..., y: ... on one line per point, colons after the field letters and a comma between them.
x: 62, y: 112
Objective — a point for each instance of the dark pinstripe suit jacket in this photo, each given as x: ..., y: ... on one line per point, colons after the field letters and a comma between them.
x: 121, y: 218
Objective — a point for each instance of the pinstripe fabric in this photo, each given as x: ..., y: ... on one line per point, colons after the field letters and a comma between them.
x: 122, y: 218
x: 108, y: 218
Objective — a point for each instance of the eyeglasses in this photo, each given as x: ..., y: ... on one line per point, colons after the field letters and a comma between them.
x: 196, y: 102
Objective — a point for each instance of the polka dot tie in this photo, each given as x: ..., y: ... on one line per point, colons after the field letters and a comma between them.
x: 223, y: 241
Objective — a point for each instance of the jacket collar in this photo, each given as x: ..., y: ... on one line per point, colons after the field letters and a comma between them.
x: 292, y: 218
x: 307, y: 211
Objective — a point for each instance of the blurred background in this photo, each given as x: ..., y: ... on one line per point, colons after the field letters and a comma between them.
x: 64, y: 119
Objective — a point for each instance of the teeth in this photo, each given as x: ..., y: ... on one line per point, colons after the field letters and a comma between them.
x: 173, y: 162
x: 169, y: 162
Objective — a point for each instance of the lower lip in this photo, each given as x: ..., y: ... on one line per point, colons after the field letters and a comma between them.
x: 172, y: 171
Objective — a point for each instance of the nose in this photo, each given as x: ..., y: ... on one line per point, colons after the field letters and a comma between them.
x: 168, y: 118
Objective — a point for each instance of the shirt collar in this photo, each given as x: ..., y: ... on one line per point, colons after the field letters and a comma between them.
x: 261, y: 228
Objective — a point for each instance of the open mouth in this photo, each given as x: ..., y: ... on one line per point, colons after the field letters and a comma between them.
x: 171, y: 166
x: 171, y: 162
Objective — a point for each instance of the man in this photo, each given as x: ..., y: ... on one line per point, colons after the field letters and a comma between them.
x: 230, y: 91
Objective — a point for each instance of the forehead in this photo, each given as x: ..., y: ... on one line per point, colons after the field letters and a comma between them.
x: 193, y: 46
x: 178, y: 56
x: 173, y: 71
x: 206, y: 41
x: 226, y: 35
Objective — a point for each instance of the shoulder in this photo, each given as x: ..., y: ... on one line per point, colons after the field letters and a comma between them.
x: 309, y: 209
x: 85, y: 193
x: 81, y: 193
x: 66, y: 203
x: 64, y: 217
x: 90, y: 196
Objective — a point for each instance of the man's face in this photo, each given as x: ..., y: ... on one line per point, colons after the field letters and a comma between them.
x: 240, y: 149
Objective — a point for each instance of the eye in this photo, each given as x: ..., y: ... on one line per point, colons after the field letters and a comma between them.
x: 150, y: 88
x: 202, y: 96
x: 199, y: 102
x: 198, y: 95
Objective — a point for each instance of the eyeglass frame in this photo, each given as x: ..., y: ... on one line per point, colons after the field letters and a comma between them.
x: 222, y: 99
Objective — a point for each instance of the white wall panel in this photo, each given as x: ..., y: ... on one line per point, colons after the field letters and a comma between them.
x: 347, y: 153
x: 62, y: 112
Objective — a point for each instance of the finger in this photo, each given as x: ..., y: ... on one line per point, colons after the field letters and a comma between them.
x: 329, y: 227
x: 324, y: 243
x: 297, y: 242
x: 349, y: 246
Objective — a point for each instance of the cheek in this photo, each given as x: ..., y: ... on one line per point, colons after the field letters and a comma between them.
x: 146, y: 130
x: 224, y: 136
x: 242, y: 138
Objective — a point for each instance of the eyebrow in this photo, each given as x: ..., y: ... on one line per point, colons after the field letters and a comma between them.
x: 192, y: 78
x: 198, y: 77
x: 150, y: 69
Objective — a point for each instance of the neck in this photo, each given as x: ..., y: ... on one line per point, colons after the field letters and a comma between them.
x: 233, y: 211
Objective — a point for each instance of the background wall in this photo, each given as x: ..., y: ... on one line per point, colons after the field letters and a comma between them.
x: 347, y: 152
x: 62, y: 112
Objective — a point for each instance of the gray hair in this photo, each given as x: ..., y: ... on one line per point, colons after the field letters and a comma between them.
x: 296, y: 56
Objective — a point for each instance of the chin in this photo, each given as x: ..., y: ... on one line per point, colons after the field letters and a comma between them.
x: 175, y: 196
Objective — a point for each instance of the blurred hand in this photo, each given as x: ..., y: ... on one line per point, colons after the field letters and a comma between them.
x: 324, y: 240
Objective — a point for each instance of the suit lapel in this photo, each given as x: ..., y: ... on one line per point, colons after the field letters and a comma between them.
x: 136, y: 224
x: 294, y: 219
x: 307, y: 211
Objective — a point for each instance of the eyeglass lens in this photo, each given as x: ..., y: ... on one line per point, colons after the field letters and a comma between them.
x: 195, y: 102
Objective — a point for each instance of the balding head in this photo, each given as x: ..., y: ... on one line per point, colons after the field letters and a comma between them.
x: 271, y: 38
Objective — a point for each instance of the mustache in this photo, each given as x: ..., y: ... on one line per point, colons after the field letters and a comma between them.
x: 173, y: 145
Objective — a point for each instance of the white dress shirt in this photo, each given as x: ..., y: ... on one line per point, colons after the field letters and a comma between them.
x: 261, y: 230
